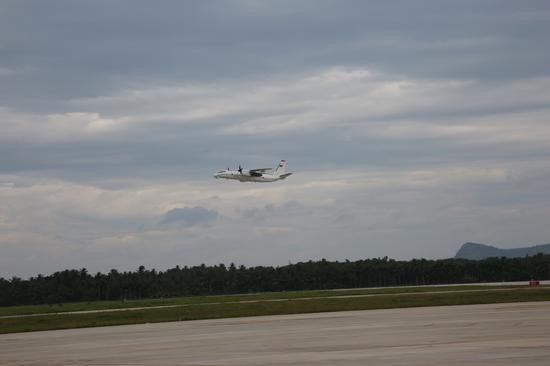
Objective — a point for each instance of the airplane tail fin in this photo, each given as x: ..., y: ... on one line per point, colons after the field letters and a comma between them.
x: 281, y: 168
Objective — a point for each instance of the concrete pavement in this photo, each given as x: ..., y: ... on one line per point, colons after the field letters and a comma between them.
x: 499, y: 334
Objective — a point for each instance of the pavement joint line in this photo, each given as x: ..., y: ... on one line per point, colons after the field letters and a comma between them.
x: 259, y: 301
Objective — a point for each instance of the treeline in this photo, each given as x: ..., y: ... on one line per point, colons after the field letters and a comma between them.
x: 79, y: 285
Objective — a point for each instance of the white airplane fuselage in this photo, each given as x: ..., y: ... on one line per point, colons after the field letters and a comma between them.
x: 255, y: 175
x: 246, y: 177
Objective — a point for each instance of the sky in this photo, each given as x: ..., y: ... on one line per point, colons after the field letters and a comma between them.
x: 411, y: 127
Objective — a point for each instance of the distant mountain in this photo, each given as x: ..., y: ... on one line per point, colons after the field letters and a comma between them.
x: 482, y: 251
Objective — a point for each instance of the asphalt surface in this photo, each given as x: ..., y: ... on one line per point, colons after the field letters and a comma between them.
x: 499, y: 334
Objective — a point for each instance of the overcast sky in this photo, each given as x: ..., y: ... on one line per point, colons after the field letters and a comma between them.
x: 411, y: 126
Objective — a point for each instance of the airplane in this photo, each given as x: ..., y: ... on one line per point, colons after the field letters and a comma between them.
x: 255, y: 175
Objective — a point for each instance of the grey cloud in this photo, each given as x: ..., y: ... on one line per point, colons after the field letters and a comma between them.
x: 271, y: 211
x: 84, y: 50
x: 189, y: 216
x: 412, y: 127
x: 401, y: 129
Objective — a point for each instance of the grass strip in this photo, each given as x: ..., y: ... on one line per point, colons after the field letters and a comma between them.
x: 189, y: 300
x: 290, y: 306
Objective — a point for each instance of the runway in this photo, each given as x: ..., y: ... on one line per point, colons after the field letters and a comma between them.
x: 499, y: 334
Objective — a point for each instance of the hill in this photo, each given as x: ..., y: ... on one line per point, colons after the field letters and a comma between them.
x: 481, y: 251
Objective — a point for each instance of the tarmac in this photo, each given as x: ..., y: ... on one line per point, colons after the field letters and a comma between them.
x: 497, y: 334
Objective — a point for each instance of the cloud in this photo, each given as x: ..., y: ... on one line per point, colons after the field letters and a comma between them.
x: 189, y: 216
x: 380, y: 105
x: 411, y: 128
x: 345, y: 214
x: 6, y: 71
x: 169, y: 44
x: 271, y: 211
x: 56, y: 127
